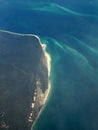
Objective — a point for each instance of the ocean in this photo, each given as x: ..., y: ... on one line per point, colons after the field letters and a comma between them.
x: 70, y: 30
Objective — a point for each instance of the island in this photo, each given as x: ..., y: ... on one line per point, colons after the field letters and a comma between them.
x: 24, y: 80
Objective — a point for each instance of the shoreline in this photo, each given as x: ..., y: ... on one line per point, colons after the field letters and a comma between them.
x: 48, y: 65
x: 46, y: 94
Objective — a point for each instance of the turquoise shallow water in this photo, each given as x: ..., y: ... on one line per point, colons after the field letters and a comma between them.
x: 70, y: 30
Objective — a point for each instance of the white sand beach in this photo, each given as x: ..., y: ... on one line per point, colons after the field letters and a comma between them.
x: 46, y: 94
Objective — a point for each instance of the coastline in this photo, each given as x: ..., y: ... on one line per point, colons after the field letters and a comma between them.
x: 48, y: 65
x: 46, y: 94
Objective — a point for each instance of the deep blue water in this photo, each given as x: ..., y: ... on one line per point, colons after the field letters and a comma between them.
x: 70, y: 30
